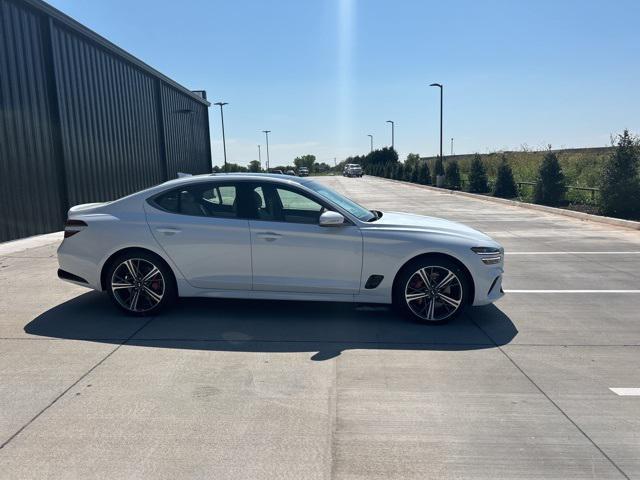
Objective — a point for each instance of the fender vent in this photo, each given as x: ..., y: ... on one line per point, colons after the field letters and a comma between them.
x: 373, y: 281
x: 495, y: 280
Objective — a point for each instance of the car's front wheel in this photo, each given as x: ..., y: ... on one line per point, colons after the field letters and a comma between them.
x: 140, y: 284
x: 431, y: 290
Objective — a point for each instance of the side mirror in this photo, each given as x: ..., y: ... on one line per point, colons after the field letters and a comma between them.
x: 331, y: 219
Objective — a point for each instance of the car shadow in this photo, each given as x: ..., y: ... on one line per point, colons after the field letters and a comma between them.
x: 270, y: 326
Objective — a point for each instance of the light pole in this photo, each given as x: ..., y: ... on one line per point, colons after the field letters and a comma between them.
x: 259, y: 157
x: 371, y: 140
x: 441, y: 88
x: 451, y: 146
x: 224, y: 143
x: 266, y: 134
x: 393, y: 127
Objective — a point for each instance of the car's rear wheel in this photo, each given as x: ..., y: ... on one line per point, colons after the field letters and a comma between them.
x: 140, y: 284
x: 431, y: 290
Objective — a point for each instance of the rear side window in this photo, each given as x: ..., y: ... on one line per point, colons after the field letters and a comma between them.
x: 203, y: 200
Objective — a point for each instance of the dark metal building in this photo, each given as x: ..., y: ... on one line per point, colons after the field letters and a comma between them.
x: 83, y: 121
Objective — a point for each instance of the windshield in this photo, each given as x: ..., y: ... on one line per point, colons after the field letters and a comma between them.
x: 343, y: 202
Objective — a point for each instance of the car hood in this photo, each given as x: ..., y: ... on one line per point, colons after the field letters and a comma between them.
x: 410, y: 222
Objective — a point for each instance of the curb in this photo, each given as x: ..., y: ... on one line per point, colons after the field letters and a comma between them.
x: 618, y: 222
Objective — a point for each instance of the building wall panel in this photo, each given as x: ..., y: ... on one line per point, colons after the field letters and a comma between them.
x: 82, y: 121
x: 29, y: 191
x: 186, y: 133
x: 109, y: 119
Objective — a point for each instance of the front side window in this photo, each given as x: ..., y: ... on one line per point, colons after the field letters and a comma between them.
x: 343, y: 202
x: 278, y: 204
x: 298, y: 208
x: 200, y: 200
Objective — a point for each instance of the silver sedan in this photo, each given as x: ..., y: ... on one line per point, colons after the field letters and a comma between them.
x: 261, y: 236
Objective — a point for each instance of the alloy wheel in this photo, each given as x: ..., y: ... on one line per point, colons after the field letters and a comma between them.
x: 433, y: 293
x: 138, y: 285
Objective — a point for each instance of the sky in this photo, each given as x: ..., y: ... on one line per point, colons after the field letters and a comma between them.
x: 324, y: 74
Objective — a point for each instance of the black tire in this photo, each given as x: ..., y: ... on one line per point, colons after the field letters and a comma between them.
x: 430, y: 304
x: 160, y: 284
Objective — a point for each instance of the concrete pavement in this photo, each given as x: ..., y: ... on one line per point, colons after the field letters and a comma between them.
x: 232, y: 389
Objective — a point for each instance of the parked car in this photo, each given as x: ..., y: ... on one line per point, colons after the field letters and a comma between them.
x: 262, y: 236
x: 290, y: 172
x: 275, y: 170
x: 303, y: 171
x: 352, y: 170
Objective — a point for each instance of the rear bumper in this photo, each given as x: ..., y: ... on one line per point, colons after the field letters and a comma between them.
x: 70, y: 277
x: 77, y: 268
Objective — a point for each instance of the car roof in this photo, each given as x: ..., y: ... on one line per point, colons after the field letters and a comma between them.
x: 238, y: 176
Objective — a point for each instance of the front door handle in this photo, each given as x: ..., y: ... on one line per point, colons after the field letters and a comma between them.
x: 168, y: 230
x: 268, y: 236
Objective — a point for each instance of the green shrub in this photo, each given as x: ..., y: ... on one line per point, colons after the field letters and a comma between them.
x: 415, y: 174
x: 620, y: 186
x: 478, y: 180
x: 438, y: 170
x: 424, y: 175
x: 550, y: 185
x: 408, y: 172
x: 398, y: 172
x: 505, y: 186
x: 452, y: 175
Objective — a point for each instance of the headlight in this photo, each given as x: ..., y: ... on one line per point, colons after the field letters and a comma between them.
x: 490, y: 255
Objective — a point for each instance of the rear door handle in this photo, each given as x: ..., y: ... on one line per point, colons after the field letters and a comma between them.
x: 268, y: 236
x: 168, y: 230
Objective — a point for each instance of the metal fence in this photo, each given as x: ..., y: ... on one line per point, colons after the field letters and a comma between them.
x: 83, y: 121
x: 593, y: 192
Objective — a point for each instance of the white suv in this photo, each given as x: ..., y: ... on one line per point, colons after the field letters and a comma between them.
x: 352, y: 170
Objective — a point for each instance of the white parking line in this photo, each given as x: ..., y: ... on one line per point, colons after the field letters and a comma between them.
x: 572, y: 291
x: 626, y: 392
x: 573, y: 253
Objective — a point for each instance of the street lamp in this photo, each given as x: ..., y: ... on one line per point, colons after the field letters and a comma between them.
x: 451, y: 146
x: 371, y: 139
x: 266, y: 134
x: 393, y: 126
x: 441, y: 88
x: 224, y: 143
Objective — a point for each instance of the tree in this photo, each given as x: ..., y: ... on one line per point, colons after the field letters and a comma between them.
x: 424, y: 175
x: 550, y: 184
x: 505, y: 186
x: 254, y: 166
x: 377, y: 157
x: 413, y: 160
x: 478, y: 181
x: 452, y: 175
x: 322, y: 167
x: 439, y: 170
x: 398, y: 171
x: 415, y: 174
x: 305, y: 161
x: 620, y: 186
x: 407, y: 172
x: 234, y: 167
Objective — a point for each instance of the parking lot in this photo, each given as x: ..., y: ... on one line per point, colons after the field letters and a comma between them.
x: 239, y: 389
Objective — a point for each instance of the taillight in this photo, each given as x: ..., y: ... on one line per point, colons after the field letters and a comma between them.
x: 71, y: 227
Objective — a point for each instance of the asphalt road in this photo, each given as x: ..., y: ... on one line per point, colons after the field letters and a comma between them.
x: 231, y: 389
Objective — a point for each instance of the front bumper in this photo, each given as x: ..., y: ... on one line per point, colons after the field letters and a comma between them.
x: 488, y: 286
